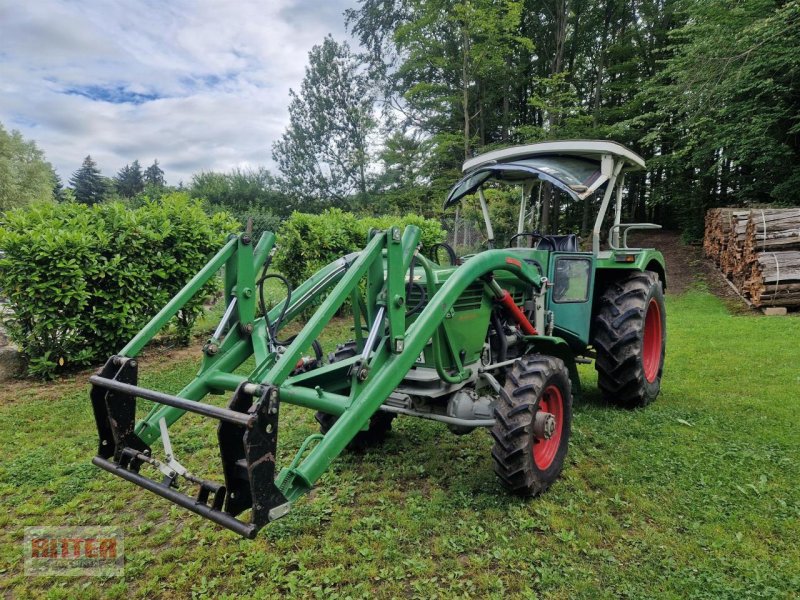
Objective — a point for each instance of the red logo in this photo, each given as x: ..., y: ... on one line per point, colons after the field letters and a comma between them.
x: 47, y: 547
x: 74, y: 551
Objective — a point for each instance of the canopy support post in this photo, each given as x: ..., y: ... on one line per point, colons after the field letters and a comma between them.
x: 598, y: 223
x: 486, y: 219
x: 618, y: 211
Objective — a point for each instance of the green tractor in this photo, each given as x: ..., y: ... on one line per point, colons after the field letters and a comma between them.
x: 489, y: 340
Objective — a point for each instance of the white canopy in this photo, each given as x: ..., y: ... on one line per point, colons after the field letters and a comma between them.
x: 577, y: 167
x: 588, y: 149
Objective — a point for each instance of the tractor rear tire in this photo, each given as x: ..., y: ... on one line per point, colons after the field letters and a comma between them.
x: 630, y: 340
x: 379, y: 424
x: 527, y: 462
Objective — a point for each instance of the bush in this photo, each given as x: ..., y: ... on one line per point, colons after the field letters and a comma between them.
x: 83, y: 280
x: 263, y: 218
x: 309, y: 242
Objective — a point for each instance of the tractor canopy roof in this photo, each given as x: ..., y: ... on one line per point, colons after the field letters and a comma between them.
x: 578, y: 167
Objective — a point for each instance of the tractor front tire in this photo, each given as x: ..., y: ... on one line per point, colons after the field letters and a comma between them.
x: 630, y: 340
x: 380, y: 424
x: 526, y: 460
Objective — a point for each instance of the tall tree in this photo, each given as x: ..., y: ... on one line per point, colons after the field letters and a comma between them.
x: 58, y: 187
x: 25, y: 175
x: 129, y: 180
x: 452, y: 74
x: 154, y: 176
x: 402, y: 177
x: 457, y: 61
x: 324, y: 154
x: 89, y: 184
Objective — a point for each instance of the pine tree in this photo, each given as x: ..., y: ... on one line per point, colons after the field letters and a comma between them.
x: 129, y: 180
x: 88, y: 183
x: 58, y: 187
x: 154, y: 176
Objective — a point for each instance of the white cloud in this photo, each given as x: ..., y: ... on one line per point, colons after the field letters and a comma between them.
x: 200, y: 85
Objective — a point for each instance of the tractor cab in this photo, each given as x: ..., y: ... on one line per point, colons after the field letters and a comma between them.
x: 578, y: 169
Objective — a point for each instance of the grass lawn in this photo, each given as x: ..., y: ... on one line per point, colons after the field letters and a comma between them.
x: 696, y: 496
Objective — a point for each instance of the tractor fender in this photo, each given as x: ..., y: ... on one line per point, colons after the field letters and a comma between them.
x: 607, y: 268
x: 558, y: 347
x: 657, y: 267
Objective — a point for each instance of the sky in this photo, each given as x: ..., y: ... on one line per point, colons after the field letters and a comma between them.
x: 199, y: 85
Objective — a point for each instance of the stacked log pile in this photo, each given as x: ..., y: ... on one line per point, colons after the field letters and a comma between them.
x: 718, y: 226
x: 732, y: 254
x: 758, y: 250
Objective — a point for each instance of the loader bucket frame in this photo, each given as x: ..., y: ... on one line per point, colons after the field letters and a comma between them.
x: 352, y: 389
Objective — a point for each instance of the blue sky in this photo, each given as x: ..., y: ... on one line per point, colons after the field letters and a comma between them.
x: 200, y: 85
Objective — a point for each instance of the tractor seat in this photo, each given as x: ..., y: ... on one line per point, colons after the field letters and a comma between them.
x: 559, y: 243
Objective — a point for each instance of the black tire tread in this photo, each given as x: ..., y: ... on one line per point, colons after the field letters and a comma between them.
x: 380, y: 424
x: 618, y: 327
x: 512, y: 432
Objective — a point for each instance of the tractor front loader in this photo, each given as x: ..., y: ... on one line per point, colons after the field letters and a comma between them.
x: 490, y: 340
x: 352, y: 389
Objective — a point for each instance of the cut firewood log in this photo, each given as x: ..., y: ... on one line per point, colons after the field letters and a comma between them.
x: 733, y: 250
x: 774, y: 279
x: 775, y: 229
x: 718, y: 226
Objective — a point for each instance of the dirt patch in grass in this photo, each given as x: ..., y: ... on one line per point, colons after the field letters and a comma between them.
x: 687, y: 267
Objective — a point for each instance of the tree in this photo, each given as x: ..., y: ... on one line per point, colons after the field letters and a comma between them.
x: 324, y: 154
x: 726, y: 109
x: 154, y: 176
x: 706, y: 90
x: 25, y: 175
x: 451, y: 76
x: 457, y: 68
x: 240, y: 189
x: 58, y: 187
x: 402, y: 178
x: 89, y: 184
x: 129, y: 180
x: 247, y: 194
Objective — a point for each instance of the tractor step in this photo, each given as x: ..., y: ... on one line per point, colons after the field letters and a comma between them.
x: 247, y: 436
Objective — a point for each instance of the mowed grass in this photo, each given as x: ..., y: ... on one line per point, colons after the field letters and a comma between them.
x: 697, y: 495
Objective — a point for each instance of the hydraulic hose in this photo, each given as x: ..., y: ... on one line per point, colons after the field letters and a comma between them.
x: 272, y: 328
x: 436, y: 338
x: 500, y: 335
x: 412, y: 284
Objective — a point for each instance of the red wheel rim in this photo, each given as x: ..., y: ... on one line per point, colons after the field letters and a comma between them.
x: 652, y: 341
x: 544, y: 451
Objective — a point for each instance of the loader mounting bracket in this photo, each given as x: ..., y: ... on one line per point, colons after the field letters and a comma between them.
x: 248, y: 461
x: 247, y: 434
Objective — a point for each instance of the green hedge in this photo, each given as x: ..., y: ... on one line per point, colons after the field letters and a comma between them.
x: 83, y: 280
x: 309, y: 242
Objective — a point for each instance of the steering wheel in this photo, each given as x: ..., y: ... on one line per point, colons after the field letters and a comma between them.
x: 534, y: 235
